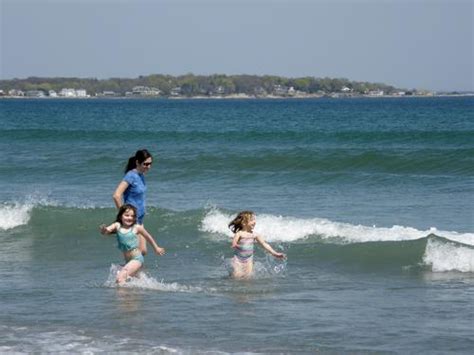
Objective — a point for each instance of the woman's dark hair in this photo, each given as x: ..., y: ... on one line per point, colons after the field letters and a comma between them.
x: 124, y: 208
x: 140, y: 156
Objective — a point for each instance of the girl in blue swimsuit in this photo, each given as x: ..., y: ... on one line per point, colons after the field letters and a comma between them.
x: 128, y: 233
x: 244, y: 237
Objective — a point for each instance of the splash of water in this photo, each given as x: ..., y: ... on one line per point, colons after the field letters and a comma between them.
x: 446, y: 256
x: 144, y: 281
x: 12, y: 216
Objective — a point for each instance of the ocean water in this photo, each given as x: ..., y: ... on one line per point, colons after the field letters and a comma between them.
x: 371, y: 200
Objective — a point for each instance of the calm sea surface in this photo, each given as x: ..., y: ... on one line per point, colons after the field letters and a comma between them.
x: 371, y: 199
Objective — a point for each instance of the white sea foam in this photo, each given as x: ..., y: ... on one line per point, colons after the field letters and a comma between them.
x: 144, y: 281
x: 40, y: 340
x: 289, y: 229
x: 18, y: 213
x: 446, y: 256
x: 12, y: 216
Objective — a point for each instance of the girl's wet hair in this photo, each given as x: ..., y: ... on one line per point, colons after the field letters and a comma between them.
x: 241, y: 220
x: 124, y: 208
x: 140, y: 156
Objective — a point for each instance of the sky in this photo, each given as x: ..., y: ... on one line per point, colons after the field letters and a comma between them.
x: 422, y: 44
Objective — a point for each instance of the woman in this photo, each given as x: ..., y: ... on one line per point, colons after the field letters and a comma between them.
x: 132, y: 188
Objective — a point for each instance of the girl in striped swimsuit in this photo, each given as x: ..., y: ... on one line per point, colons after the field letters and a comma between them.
x: 242, y: 226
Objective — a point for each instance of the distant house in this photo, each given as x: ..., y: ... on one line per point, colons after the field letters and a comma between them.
x: 376, y: 93
x: 219, y: 90
x: 280, y: 90
x: 176, y: 91
x: 52, y: 93
x: 67, y: 92
x: 15, y: 92
x: 81, y: 93
x: 35, y: 93
x: 109, y: 93
x: 145, y: 91
x: 345, y: 89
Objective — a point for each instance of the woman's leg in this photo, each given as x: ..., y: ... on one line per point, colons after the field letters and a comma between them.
x: 141, y: 240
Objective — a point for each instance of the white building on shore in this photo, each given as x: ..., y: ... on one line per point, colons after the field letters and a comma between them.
x: 145, y: 91
x: 16, y: 93
x: 65, y: 92
x: 376, y: 93
x: 81, y: 93
x: 35, y: 93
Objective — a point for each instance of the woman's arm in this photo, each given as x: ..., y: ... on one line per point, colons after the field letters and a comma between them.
x: 142, y: 231
x: 118, y: 194
x: 268, y: 248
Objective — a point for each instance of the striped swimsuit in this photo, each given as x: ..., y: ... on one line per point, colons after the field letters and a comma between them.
x: 244, y: 250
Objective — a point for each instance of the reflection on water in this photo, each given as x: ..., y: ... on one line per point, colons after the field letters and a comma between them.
x: 464, y: 277
x: 129, y: 300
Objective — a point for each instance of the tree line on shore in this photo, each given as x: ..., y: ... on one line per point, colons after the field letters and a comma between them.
x: 198, y: 85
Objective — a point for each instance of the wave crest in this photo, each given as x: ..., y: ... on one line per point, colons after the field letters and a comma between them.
x: 447, y: 256
x: 290, y: 229
x: 12, y: 216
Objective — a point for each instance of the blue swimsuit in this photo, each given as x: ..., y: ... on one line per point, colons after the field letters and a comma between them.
x: 128, y: 242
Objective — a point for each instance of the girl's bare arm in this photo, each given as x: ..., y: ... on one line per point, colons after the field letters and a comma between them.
x: 108, y: 229
x: 268, y: 247
x: 235, y: 240
x: 142, y: 231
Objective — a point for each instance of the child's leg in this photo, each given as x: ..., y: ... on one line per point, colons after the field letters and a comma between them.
x: 242, y: 270
x: 249, y: 270
x: 128, y: 270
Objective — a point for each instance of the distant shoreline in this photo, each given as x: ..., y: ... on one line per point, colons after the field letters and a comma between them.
x: 215, y: 86
x: 235, y: 97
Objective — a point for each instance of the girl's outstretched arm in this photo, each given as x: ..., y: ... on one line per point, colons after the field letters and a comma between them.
x: 268, y: 248
x: 108, y: 229
x: 142, y: 231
